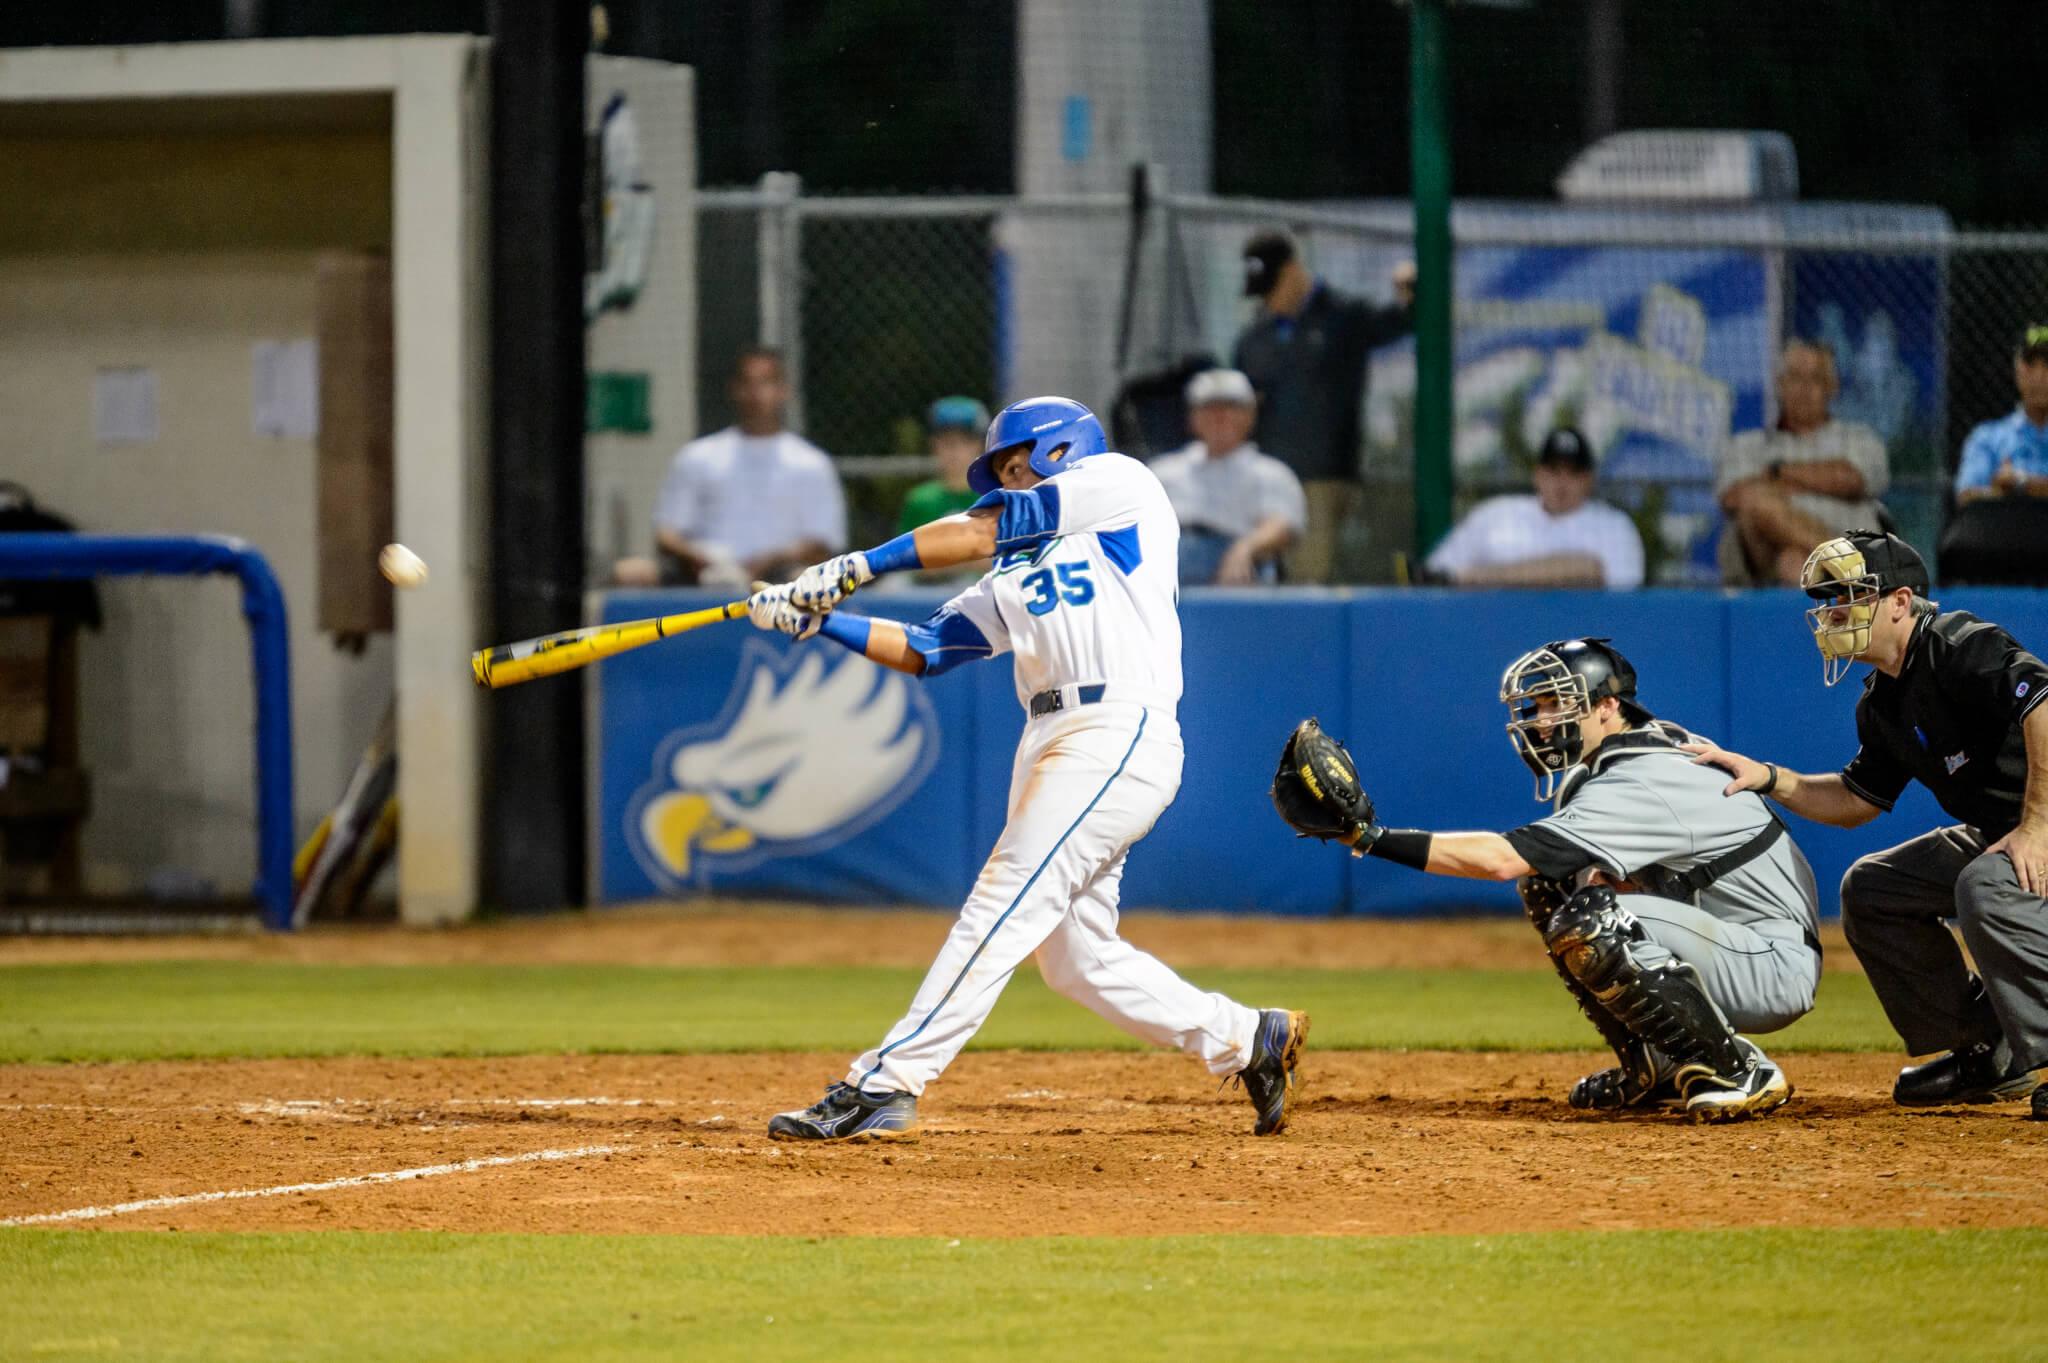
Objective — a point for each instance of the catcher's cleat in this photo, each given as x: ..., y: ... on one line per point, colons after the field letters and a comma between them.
x: 847, y: 1114
x: 1646, y: 1078
x: 1612, y: 1090
x: 1276, y: 1052
x: 1759, y: 1087
x: 1970, y: 1075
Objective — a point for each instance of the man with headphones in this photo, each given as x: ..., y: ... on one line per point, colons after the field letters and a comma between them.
x: 1677, y: 918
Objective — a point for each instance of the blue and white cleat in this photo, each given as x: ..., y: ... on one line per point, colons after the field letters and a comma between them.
x: 1276, y: 1053
x: 847, y: 1114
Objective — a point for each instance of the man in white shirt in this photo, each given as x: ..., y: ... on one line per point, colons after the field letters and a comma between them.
x: 1558, y: 537
x: 1787, y: 491
x: 752, y: 501
x: 1239, y: 509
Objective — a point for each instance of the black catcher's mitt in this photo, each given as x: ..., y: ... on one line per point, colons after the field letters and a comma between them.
x: 1316, y: 788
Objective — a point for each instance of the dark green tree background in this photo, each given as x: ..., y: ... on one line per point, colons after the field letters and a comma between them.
x: 1913, y: 101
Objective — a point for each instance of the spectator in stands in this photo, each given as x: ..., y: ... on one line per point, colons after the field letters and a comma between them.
x: 1239, y: 509
x: 1558, y: 537
x: 1999, y: 531
x: 753, y: 501
x: 953, y: 430
x: 2009, y: 457
x: 954, y: 427
x: 1306, y: 354
x: 1787, y: 490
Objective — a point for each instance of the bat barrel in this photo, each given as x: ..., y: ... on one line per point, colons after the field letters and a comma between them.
x: 544, y: 657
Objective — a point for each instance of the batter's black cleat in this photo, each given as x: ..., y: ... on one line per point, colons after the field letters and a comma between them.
x: 847, y: 1114
x: 1276, y: 1052
x: 1973, y: 1074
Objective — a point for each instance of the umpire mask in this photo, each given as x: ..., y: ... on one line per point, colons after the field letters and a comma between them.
x: 1550, y: 692
x: 1849, y: 576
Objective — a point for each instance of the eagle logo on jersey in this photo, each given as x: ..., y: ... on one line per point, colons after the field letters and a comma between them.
x: 803, y: 755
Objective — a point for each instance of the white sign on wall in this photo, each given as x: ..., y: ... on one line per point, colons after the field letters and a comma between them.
x: 124, y: 405
x: 284, y: 389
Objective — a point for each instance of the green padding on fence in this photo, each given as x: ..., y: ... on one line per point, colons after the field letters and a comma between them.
x: 617, y: 401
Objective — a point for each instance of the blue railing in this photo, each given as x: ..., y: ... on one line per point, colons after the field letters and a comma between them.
x: 49, y: 557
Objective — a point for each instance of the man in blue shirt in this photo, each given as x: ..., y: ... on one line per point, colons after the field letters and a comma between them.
x: 2009, y: 457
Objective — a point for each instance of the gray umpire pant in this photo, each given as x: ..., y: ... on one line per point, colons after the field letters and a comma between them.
x: 1760, y: 975
x: 1895, y: 904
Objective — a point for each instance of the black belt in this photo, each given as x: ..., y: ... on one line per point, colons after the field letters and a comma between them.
x: 1045, y: 702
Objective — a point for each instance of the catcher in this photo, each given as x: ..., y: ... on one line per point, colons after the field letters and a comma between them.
x: 1674, y: 916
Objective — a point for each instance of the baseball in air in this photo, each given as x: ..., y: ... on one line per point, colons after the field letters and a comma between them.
x: 401, y: 566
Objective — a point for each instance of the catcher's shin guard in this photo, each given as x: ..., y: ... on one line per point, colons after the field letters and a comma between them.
x: 1542, y: 897
x: 1663, y: 1006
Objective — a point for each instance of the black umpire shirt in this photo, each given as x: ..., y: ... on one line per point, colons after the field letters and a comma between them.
x: 1951, y: 720
x: 1309, y: 371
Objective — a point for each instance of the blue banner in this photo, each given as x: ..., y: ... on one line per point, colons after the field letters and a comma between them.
x: 733, y: 762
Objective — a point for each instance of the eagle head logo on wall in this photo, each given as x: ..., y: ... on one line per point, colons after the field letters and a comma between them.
x: 803, y: 755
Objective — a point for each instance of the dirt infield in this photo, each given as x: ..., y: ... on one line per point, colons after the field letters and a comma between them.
x: 715, y: 932
x: 1014, y: 1144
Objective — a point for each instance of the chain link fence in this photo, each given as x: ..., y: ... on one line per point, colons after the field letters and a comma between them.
x: 1657, y: 332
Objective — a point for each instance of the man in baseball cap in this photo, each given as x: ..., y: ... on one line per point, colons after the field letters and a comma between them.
x: 1306, y: 354
x: 1561, y: 536
x: 1266, y: 254
x: 1953, y: 702
x: 2009, y: 456
x: 1239, y: 509
x: 953, y: 429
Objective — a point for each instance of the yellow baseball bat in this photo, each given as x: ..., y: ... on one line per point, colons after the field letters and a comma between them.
x: 510, y: 664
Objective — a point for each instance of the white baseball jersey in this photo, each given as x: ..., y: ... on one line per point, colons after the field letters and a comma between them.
x: 1084, y: 589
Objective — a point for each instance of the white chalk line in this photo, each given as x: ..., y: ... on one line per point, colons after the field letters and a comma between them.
x: 327, y: 1185
x: 301, y: 1107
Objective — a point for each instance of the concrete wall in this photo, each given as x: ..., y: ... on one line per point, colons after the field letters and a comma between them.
x: 167, y: 698
x: 1100, y: 88
x: 279, y: 148
x: 657, y: 334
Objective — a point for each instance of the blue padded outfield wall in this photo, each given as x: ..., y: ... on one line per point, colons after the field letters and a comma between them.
x: 734, y: 763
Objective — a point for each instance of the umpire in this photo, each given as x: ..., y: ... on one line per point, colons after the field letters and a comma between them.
x: 1955, y: 703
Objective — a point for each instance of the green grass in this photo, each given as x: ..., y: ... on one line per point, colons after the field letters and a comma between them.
x: 1738, y: 1295
x: 170, y: 1009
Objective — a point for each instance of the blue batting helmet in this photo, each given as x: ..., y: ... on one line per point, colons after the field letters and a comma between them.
x: 1059, y: 431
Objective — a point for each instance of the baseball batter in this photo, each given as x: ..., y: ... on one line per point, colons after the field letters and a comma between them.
x: 1083, y: 590
x: 1675, y: 916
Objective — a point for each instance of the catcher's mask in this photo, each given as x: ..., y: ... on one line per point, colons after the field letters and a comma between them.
x: 1849, y: 575
x: 1573, y: 675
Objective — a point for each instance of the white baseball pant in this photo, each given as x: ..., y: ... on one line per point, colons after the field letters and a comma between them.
x: 1087, y: 783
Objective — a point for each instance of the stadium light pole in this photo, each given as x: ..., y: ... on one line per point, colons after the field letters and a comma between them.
x: 1430, y: 170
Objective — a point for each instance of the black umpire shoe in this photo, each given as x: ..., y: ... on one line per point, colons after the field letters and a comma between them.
x: 1276, y: 1053
x: 2040, y: 1108
x: 1970, y: 1075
